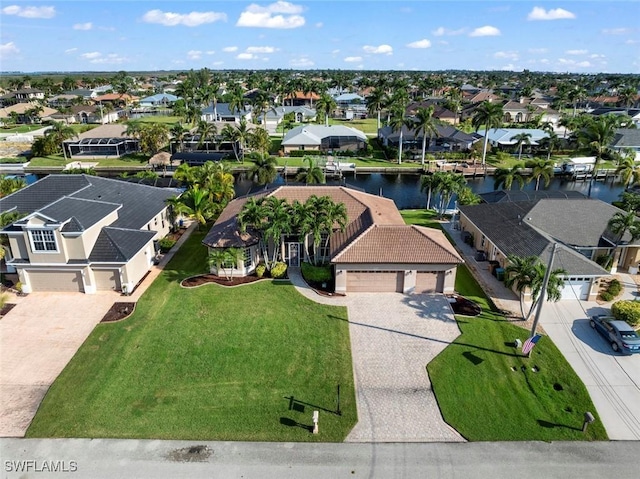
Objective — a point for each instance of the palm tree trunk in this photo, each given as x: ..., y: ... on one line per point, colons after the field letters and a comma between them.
x: 424, y: 147
x: 400, y: 149
x: 484, y: 148
x: 429, y: 198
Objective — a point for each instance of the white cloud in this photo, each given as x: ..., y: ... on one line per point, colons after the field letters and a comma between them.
x: 110, y: 59
x: 319, y: 25
x: 276, y: 15
x: 506, y: 55
x: 616, y: 31
x: 219, y: 62
x: 537, y: 50
x: 631, y: 42
x: 246, y: 56
x: 486, y: 31
x: 381, y: 49
x: 91, y: 55
x: 440, y: 31
x: 210, y: 52
x: 335, y: 52
x: 30, y: 12
x: 302, y: 62
x: 8, y: 49
x: 596, y: 55
x: 353, y: 59
x: 570, y: 62
x: 424, y: 43
x: 70, y: 50
x: 83, y: 26
x: 539, y: 13
x: 230, y: 49
x: 260, y: 49
x: 194, y: 54
x: 576, y: 52
x: 193, y: 19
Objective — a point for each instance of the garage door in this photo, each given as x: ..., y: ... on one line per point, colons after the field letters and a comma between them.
x: 576, y: 288
x: 107, y: 279
x: 56, y: 281
x: 429, y: 282
x: 375, y: 281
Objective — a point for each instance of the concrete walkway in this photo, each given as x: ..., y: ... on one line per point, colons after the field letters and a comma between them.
x: 393, y: 337
x: 39, y: 337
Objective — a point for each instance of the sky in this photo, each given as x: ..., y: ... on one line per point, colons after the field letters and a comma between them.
x: 91, y: 35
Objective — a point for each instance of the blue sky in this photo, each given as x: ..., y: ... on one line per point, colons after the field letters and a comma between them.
x: 130, y: 35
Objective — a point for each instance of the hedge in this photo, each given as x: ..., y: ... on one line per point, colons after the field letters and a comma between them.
x: 628, y: 311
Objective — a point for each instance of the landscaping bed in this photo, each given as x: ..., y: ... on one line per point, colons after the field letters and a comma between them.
x: 201, y: 279
x: 118, y: 312
x: 6, y: 308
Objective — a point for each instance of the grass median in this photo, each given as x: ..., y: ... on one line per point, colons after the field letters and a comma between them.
x: 208, y: 363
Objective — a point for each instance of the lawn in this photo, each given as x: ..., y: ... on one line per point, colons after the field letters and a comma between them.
x: 168, y: 120
x: 21, y: 128
x: 209, y: 363
x: 59, y: 160
x: 488, y: 392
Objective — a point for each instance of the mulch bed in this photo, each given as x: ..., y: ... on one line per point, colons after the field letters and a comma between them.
x: 194, y: 281
x: 465, y: 307
x: 118, y: 311
x: 6, y: 308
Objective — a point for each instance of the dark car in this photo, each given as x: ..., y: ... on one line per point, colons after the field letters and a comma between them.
x: 622, y: 337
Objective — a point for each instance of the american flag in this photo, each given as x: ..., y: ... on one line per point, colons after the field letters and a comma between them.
x: 530, y: 343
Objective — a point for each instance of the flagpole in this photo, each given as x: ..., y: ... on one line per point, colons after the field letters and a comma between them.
x: 543, y: 292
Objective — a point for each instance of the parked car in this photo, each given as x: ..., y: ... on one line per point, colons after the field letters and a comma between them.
x: 622, y: 337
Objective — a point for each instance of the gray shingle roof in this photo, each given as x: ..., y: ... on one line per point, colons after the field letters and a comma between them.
x: 118, y: 245
x: 43, y: 192
x: 626, y: 138
x: 520, y: 195
x: 85, y: 213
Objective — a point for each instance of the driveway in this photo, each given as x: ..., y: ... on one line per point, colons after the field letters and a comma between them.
x: 37, y: 339
x: 613, y: 380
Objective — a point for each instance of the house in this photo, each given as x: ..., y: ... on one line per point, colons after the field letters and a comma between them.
x: 103, y: 141
x: 301, y: 99
x: 439, y: 112
x: 274, y: 116
x: 627, y: 139
x: 503, y: 137
x: 27, y: 113
x: 447, y: 138
x: 159, y: 100
x: 84, y: 233
x: 323, y: 138
x: 88, y: 114
x: 223, y: 112
x: 25, y: 95
x: 193, y: 150
x: 529, y: 228
x: 376, y: 252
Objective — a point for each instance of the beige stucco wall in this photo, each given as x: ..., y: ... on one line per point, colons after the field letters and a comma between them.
x: 289, y: 148
x: 19, y: 248
x: 48, y: 257
x: 239, y: 271
x: 159, y: 224
x: 137, y: 267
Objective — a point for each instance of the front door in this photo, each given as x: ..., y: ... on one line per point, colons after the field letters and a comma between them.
x: 293, y: 254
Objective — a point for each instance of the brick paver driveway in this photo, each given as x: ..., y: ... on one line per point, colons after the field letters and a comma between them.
x: 393, y: 337
x: 37, y: 339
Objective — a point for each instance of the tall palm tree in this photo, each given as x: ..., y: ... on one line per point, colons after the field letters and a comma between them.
x: 325, y: 105
x: 520, y: 274
x: 521, y: 139
x: 427, y: 183
x: 489, y: 115
x: 179, y: 133
x: 195, y: 203
x: 207, y: 132
x: 447, y: 185
x: 628, y: 171
x: 628, y: 96
x: 426, y: 125
x: 398, y: 122
x: 264, y: 170
x: 313, y: 174
x: 260, y: 140
x: 278, y: 223
x: 551, y: 142
x: 504, y: 177
x: 375, y: 103
x: 541, y: 169
x: 597, y: 136
x: 335, y: 215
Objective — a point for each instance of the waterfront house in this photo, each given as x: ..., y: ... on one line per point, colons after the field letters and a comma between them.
x: 323, y: 138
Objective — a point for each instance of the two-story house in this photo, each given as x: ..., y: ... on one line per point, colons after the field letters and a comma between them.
x: 84, y: 233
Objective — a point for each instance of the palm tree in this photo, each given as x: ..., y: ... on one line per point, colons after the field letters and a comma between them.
x: 325, y: 105
x: 597, y: 136
x: 504, y: 177
x: 334, y: 214
x: 628, y: 171
x: 551, y: 142
x: 207, y: 131
x: 278, y: 223
x: 375, y: 102
x: 185, y: 173
x: 425, y: 124
x: 489, y: 115
x: 222, y: 257
x: 179, y: 133
x: 427, y: 183
x: 521, y: 139
x: 260, y: 140
x: 260, y: 104
x: 628, y: 96
x: 10, y: 185
x: 520, y: 273
x: 195, y: 203
x: 541, y: 169
x: 59, y: 132
x: 623, y: 223
x: 448, y: 184
x: 398, y: 122
x: 311, y: 175
x: 264, y: 170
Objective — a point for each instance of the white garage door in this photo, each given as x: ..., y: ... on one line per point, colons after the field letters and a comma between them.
x: 576, y: 288
x: 107, y: 279
x: 56, y: 281
x: 375, y: 281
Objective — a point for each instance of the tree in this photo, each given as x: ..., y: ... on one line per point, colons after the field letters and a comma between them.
x: 447, y: 184
x: 10, y: 185
x: 325, y: 106
x: 264, y: 170
x: 153, y: 137
x: 521, y: 139
x: 427, y: 183
x: 179, y: 133
x: 225, y: 259
x: 504, y: 177
x: 490, y: 116
x: 398, y: 122
x: 426, y: 125
x: 551, y: 142
x: 628, y: 171
x: 278, y: 223
x: 541, y: 169
x: 334, y: 214
x: 466, y: 196
x: 311, y: 175
x: 207, y: 132
x: 628, y: 96
x: 195, y: 204
x: 375, y: 103
x: 597, y: 136
x: 260, y: 140
x: 622, y: 224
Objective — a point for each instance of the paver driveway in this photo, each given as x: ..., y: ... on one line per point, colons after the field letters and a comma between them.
x: 37, y: 339
x: 393, y: 337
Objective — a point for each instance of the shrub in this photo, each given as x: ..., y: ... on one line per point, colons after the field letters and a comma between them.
x: 628, y: 311
x: 260, y: 270
x: 165, y: 244
x: 278, y: 270
x: 316, y: 274
x: 615, y: 287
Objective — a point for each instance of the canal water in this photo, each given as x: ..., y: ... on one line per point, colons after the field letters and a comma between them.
x: 404, y: 189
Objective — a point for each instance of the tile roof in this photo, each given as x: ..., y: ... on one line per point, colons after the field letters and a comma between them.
x: 85, y: 213
x: 118, y: 245
x: 521, y: 195
x: 626, y: 138
x: 313, y: 134
x: 104, y: 131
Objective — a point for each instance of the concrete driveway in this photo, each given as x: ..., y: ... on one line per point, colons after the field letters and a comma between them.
x: 37, y: 339
x: 613, y: 380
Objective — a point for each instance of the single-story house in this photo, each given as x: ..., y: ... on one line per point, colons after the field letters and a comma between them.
x: 439, y: 112
x: 323, y: 138
x: 503, y: 137
x: 529, y: 228
x: 160, y: 99
x: 376, y: 252
x: 88, y: 114
x: 300, y: 98
x: 103, y: 141
x: 22, y: 110
x: 222, y: 112
x: 633, y: 113
x: 627, y: 139
x: 84, y: 233
x: 274, y: 116
x: 447, y: 138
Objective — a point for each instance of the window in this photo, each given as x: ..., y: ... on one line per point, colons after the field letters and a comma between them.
x: 43, y: 240
x: 248, y: 260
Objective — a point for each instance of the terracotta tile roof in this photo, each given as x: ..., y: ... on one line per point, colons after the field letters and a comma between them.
x: 400, y: 244
x: 114, y: 97
x: 300, y: 95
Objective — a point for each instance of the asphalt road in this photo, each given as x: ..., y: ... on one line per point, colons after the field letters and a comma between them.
x: 613, y: 380
x: 112, y: 458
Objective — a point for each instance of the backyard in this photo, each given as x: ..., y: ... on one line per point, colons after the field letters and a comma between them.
x: 249, y: 363
x: 487, y: 391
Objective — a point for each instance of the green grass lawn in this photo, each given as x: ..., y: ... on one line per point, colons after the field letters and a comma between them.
x: 59, y: 160
x: 209, y: 363
x: 21, y: 128
x: 428, y: 218
x: 168, y: 120
x: 480, y: 385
